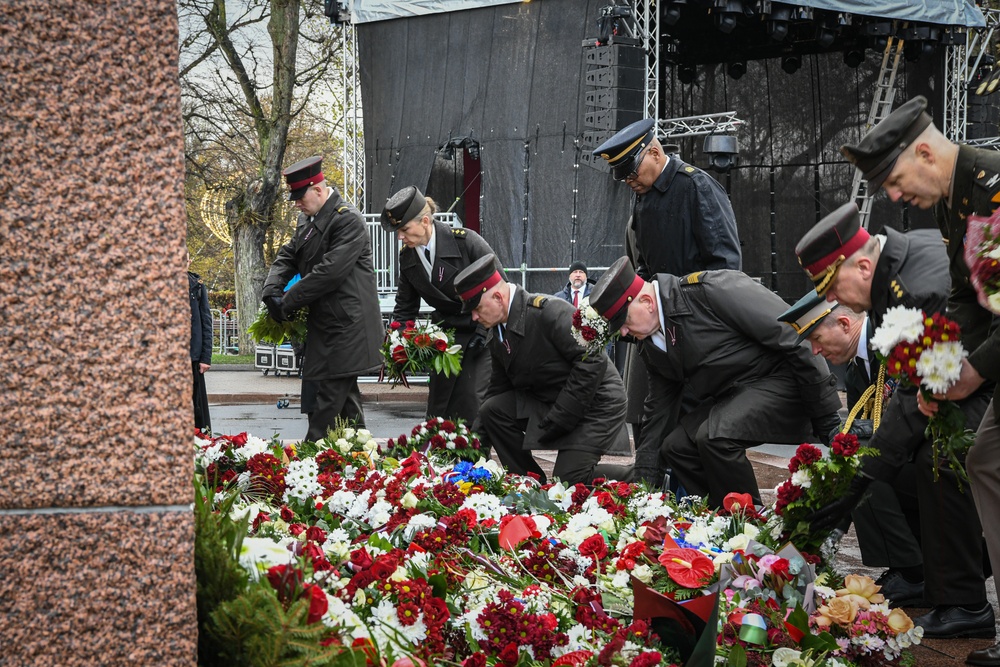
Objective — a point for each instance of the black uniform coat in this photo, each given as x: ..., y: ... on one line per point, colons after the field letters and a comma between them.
x: 201, y: 320
x: 540, y: 361
x: 455, y: 250
x: 975, y: 191
x: 333, y: 254
x: 752, y: 378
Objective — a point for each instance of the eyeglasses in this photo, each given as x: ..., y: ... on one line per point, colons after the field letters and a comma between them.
x: 636, y: 163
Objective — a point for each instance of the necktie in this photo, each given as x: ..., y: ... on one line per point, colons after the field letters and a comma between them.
x: 576, y: 298
x: 427, y: 254
x: 863, y: 369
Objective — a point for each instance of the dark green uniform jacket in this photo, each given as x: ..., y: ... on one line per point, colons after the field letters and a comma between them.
x: 333, y: 254
x: 725, y: 345
x: 540, y: 361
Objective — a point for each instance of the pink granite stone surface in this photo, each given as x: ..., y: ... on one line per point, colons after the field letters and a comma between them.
x: 95, y: 391
x: 97, y: 589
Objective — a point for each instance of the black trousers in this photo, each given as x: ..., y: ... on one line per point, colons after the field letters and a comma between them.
x: 326, y: 400
x: 710, y: 467
x: 888, y: 523
x: 459, y: 397
x: 202, y: 420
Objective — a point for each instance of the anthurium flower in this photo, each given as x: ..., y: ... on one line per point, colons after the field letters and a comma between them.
x: 735, y: 503
x: 688, y: 567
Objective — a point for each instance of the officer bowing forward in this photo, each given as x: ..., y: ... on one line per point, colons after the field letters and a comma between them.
x: 543, y: 392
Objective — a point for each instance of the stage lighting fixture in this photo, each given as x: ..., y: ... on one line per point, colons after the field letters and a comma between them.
x: 854, y: 57
x: 736, y: 68
x: 777, y: 22
x: 912, y: 51
x: 686, y: 73
x: 721, y: 151
x: 791, y: 64
x: 672, y: 14
x: 726, y: 14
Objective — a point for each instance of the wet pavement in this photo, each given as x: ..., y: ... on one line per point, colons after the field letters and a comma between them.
x: 245, y: 400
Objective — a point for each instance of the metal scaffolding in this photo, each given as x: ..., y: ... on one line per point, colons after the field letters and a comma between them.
x: 353, y: 134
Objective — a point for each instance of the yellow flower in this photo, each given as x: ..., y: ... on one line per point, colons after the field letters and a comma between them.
x: 840, y: 610
x: 899, y: 621
x: 863, y: 590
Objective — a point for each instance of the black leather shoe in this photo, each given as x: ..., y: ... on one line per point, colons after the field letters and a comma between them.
x: 900, y: 592
x: 949, y: 622
x: 985, y: 657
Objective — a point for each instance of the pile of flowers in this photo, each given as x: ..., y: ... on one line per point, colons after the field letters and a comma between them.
x: 925, y: 351
x: 419, y: 347
x: 815, y: 482
x: 438, y: 438
x: 982, y: 255
x: 591, y: 330
x: 415, y: 561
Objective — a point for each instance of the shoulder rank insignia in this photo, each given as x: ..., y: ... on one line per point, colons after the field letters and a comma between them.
x: 538, y: 301
x: 689, y: 169
x: 342, y: 208
x: 897, y: 288
x: 693, y: 278
x: 458, y: 231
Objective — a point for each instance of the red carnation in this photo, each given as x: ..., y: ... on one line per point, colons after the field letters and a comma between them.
x: 845, y: 444
x: 477, y: 659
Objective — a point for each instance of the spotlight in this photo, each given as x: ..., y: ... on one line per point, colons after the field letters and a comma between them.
x: 912, y: 51
x: 726, y: 14
x: 672, y: 14
x: 721, y: 151
x: 777, y: 22
x: 854, y: 57
x: 736, y: 68
x: 686, y: 73
x: 791, y: 64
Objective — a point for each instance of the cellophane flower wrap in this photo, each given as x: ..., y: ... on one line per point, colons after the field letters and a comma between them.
x: 438, y: 438
x: 815, y: 482
x: 265, y: 330
x: 925, y: 351
x: 420, y: 347
x: 423, y: 562
x: 590, y: 330
x: 982, y: 255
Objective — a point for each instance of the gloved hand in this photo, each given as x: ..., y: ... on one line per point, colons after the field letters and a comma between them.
x: 477, y: 342
x: 824, y: 425
x: 550, y: 430
x: 273, y: 304
x: 838, y: 513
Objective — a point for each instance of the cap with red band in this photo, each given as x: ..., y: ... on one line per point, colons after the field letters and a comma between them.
x: 616, y: 289
x: 303, y: 174
x: 477, y: 279
x: 829, y: 244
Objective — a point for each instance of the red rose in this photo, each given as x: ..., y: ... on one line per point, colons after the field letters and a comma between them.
x: 477, y: 659
x: 315, y: 534
x: 360, y: 559
x: 318, y: 603
x: 422, y: 340
x: 509, y: 655
x: 395, y: 326
x: 594, y: 546
x: 297, y: 529
x: 399, y: 355
x: 286, y: 514
x: 780, y: 568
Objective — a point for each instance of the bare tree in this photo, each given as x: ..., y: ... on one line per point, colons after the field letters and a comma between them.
x: 249, y: 69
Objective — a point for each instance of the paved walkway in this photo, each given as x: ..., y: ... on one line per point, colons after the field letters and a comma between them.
x: 245, y: 386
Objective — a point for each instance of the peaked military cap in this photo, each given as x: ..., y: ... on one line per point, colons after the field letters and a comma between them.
x: 829, y: 243
x: 879, y: 149
x: 613, y: 293
x: 622, y: 150
x: 402, y: 207
x: 807, y: 313
x: 475, y: 280
x: 578, y: 266
x: 303, y: 174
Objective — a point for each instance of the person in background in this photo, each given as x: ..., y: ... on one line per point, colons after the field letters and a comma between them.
x: 201, y: 347
x: 332, y: 251
x: 433, y: 254
x: 578, y: 286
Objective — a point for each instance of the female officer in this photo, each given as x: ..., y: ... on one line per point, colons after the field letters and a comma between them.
x: 433, y: 254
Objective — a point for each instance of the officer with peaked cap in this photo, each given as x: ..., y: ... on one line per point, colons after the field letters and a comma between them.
x: 956, y: 181
x: 332, y: 253
x: 751, y: 380
x: 883, y: 520
x: 875, y: 273
x: 545, y: 392
x: 682, y: 221
x: 432, y: 256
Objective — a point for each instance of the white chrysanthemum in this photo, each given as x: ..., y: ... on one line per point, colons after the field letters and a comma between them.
x: 418, y: 523
x: 388, y: 631
x: 649, y: 506
x: 379, y: 514
x: 899, y: 324
x: 940, y: 366
x: 485, y: 505
x: 470, y: 620
x: 580, y: 638
x: 253, y: 446
x: 257, y: 554
x: 801, y: 477
x: 209, y: 454
x: 340, y: 615
x: 300, y: 480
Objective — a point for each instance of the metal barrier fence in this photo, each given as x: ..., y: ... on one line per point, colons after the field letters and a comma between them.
x: 225, y: 332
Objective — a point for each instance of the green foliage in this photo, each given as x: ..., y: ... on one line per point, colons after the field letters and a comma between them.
x: 950, y: 440
x: 230, y: 359
x: 266, y: 330
x: 222, y: 299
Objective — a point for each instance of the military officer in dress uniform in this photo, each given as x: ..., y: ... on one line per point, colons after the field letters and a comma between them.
x: 886, y: 521
x: 682, y: 221
x: 432, y: 256
x: 875, y: 273
x: 916, y: 164
x: 545, y: 392
x: 717, y: 332
x: 332, y: 252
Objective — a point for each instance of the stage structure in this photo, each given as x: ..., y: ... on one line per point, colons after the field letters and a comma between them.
x: 492, y: 108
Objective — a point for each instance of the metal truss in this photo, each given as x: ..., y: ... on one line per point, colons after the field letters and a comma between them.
x: 353, y: 134
x: 697, y: 126
x: 960, y: 65
x: 645, y: 13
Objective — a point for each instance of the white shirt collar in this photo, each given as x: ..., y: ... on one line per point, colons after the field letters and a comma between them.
x: 862, y: 352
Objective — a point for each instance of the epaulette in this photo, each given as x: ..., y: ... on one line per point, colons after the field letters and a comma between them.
x: 538, y: 301
x: 989, y: 180
x: 458, y: 231
x: 689, y: 169
x: 897, y: 287
x: 342, y: 208
x: 692, y: 278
